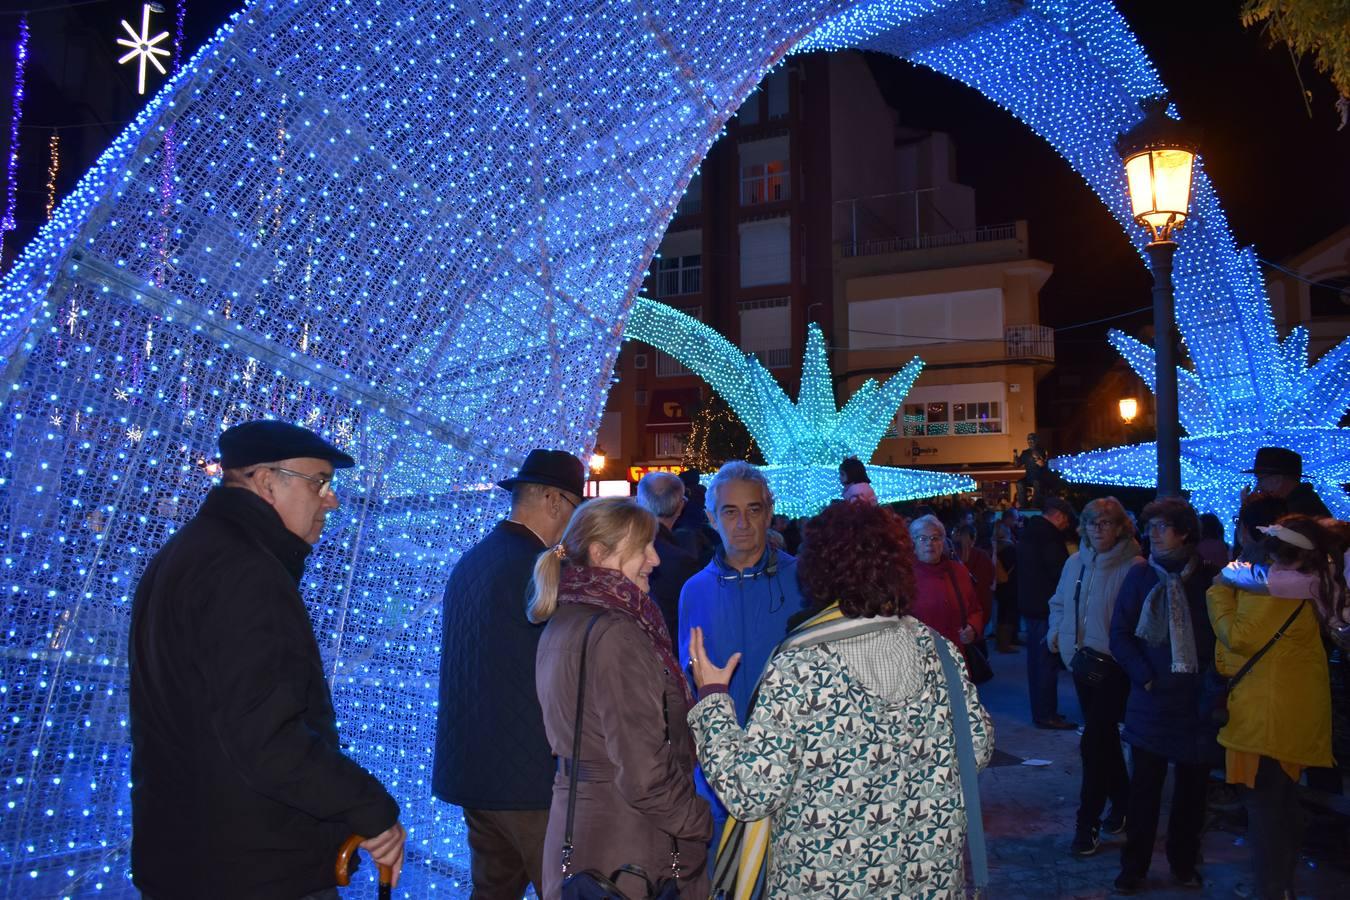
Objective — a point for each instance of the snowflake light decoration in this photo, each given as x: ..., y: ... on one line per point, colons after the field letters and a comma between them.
x: 803, y: 442
x: 1264, y: 394
x: 143, y: 47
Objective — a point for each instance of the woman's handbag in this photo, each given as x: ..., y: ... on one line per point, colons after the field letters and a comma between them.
x: 1218, y: 708
x: 969, y: 772
x: 589, y: 884
x: 1090, y: 666
x: 976, y: 654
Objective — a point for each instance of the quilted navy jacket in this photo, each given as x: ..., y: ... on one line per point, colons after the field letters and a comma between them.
x: 491, y: 750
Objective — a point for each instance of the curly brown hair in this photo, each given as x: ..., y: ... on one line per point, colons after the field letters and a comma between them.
x: 861, y: 556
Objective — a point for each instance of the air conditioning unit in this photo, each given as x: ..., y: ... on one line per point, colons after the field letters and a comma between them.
x: 640, y: 398
x: 639, y: 360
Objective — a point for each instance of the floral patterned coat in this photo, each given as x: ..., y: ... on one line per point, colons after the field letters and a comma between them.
x: 862, y: 789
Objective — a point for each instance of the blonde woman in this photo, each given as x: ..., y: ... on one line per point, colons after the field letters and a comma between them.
x: 635, y: 800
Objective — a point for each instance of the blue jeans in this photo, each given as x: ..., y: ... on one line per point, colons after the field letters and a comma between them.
x: 1042, y: 672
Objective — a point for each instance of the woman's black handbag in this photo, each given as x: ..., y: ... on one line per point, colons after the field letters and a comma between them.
x: 1092, y: 667
x: 1218, y: 706
x: 589, y: 884
x: 977, y: 653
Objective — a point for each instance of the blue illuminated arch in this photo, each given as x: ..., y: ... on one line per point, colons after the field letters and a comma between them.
x: 416, y: 227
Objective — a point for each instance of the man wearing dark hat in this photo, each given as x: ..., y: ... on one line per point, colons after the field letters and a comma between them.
x: 239, y: 785
x: 492, y: 756
x: 1279, y: 472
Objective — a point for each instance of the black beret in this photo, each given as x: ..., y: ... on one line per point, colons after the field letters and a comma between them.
x: 267, y: 440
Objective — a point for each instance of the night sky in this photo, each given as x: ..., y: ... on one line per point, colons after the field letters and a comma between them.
x: 1283, y: 178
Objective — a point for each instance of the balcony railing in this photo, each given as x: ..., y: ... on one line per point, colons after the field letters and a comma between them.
x: 978, y: 235
x: 1029, y: 342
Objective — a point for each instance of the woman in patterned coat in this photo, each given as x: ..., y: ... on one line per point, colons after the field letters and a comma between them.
x: 849, y: 751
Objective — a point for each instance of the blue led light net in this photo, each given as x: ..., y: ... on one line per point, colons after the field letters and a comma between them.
x: 417, y: 228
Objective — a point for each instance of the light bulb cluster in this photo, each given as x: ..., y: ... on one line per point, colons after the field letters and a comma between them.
x: 804, y: 442
x: 418, y: 228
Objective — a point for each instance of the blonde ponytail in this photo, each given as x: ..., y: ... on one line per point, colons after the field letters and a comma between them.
x: 544, y: 596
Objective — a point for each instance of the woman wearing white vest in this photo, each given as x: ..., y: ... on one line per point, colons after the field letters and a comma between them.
x: 1080, y: 631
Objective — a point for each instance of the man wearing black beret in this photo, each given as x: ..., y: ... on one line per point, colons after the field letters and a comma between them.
x: 492, y: 756
x: 239, y: 785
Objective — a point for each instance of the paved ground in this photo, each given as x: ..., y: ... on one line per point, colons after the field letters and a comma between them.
x: 1029, y: 817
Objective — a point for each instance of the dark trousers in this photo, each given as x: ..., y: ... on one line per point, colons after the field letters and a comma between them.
x: 1042, y: 672
x: 506, y: 852
x: 1005, y: 596
x: 1104, y: 774
x: 1274, y: 829
x: 1183, y: 824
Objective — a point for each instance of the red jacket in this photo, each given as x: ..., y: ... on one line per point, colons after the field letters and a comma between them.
x: 937, y: 603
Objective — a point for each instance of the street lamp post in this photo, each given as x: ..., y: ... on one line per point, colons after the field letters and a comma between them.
x: 1159, y: 155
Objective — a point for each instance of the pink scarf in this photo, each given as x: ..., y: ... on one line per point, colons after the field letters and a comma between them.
x: 611, y: 589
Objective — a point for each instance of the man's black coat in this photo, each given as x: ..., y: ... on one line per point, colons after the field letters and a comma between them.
x: 1041, y: 555
x: 239, y: 788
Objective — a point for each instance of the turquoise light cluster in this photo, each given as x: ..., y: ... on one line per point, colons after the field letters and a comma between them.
x: 803, y: 442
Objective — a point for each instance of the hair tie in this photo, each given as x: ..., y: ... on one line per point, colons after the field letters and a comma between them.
x: 560, y: 551
x: 1288, y: 535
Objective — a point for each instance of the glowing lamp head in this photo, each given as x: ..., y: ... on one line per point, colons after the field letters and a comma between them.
x: 598, y: 460
x: 1129, y: 408
x: 1159, y: 155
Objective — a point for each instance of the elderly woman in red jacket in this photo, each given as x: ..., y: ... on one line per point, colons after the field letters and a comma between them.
x: 944, y: 596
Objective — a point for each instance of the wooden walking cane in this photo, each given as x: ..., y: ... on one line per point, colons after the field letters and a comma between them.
x: 344, y: 876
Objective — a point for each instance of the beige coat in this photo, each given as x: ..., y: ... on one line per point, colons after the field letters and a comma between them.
x: 639, y: 787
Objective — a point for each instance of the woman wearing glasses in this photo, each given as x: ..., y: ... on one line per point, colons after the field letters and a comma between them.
x: 1079, y: 630
x: 1161, y: 635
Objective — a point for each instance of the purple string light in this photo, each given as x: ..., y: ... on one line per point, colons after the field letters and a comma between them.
x: 12, y: 164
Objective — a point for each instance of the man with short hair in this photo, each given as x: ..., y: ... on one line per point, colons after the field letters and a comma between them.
x: 662, y: 494
x: 745, y: 595
x: 492, y: 756
x: 1042, y: 551
x: 240, y: 787
x: 1279, y: 472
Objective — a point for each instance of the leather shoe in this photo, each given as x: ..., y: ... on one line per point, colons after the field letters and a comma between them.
x: 1058, y: 723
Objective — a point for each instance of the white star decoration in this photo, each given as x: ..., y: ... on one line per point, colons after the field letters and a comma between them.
x: 143, y: 46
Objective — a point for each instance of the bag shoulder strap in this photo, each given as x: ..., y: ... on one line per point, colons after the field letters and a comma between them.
x: 1077, y: 613
x: 1251, y: 661
x: 576, y: 748
x: 956, y: 589
x: 965, y: 755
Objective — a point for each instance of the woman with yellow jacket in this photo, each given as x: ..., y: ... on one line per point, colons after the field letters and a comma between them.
x: 1279, y: 711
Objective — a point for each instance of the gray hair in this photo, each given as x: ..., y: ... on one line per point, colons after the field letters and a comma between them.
x: 923, y: 522
x: 660, y: 493
x: 736, y: 470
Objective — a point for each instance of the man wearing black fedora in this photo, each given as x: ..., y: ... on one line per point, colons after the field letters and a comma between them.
x: 1279, y: 472
x: 492, y: 756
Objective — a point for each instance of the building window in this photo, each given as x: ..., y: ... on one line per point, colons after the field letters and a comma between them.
x: 776, y: 90
x: 670, y: 445
x: 953, y: 410
x: 748, y: 114
x: 692, y: 201
x: 679, y: 275
x: 766, y: 252
x: 764, y: 171
x: 766, y: 331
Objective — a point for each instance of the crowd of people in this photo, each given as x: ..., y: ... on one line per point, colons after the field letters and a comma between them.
x: 684, y: 694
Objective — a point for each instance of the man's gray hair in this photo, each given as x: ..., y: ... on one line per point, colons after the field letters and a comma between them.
x: 736, y: 470
x: 660, y: 493
x: 928, y: 521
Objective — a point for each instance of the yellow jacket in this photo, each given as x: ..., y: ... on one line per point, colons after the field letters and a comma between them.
x: 1282, y: 707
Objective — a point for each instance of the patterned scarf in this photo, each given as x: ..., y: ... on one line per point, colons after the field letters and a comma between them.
x: 611, y: 589
x: 1166, y: 616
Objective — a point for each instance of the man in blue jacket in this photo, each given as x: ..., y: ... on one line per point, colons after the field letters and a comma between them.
x: 492, y: 756
x: 746, y: 594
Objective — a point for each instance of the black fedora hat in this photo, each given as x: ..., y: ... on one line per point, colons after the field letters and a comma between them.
x: 1276, y: 461
x: 553, y: 468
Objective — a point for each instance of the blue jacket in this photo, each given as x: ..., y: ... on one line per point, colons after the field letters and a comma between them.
x: 741, y: 611
x: 1167, y: 719
x: 491, y: 749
